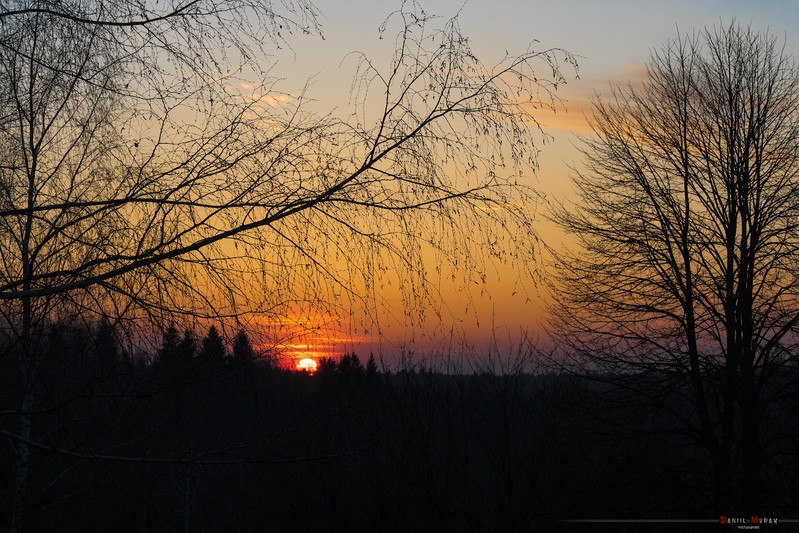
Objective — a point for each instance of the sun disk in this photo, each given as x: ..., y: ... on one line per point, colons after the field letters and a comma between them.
x: 306, y: 365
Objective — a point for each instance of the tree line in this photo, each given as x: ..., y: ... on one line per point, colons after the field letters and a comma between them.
x: 190, y: 438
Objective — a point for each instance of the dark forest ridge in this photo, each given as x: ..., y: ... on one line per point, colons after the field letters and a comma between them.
x: 221, y: 443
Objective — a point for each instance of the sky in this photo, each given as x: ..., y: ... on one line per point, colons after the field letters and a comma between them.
x: 612, y: 39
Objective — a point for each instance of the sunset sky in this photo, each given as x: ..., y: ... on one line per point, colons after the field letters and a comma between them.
x: 612, y: 38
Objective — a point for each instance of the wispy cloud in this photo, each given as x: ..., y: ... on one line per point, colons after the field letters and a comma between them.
x: 261, y: 95
x: 569, y: 115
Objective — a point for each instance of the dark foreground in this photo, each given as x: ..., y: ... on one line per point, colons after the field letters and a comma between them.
x: 190, y: 442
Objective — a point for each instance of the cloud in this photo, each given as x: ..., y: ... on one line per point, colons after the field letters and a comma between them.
x: 261, y: 95
x: 568, y: 115
x: 574, y: 111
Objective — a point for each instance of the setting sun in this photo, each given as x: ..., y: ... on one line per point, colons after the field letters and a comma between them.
x: 306, y: 365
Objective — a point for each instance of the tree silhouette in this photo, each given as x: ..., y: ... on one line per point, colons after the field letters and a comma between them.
x: 175, y: 357
x: 187, y: 348
x: 169, y: 344
x: 212, y: 348
x: 371, y: 366
x: 243, y: 351
x: 684, y: 290
x: 136, y: 13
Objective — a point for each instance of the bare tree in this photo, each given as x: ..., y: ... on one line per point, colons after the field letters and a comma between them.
x: 126, y: 13
x: 135, y: 182
x: 74, y: 93
x: 686, y: 274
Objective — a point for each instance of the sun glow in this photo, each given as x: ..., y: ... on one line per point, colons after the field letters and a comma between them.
x: 306, y: 365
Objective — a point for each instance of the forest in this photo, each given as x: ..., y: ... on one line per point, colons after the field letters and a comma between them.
x: 192, y: 438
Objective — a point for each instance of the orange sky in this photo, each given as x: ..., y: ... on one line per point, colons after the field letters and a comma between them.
x: 613, y: 40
